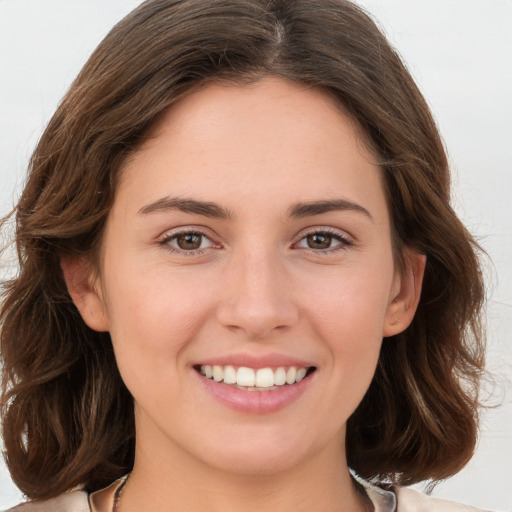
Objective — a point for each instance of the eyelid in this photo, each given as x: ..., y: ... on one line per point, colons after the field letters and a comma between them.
x: 164, y: 239
x: 345, y: 239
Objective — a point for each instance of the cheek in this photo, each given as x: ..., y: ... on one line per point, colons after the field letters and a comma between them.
x: 153, y: 316
x: 352, y: 329
x: 351, y: 300
x: 348, y: 313
x: 151, y: 297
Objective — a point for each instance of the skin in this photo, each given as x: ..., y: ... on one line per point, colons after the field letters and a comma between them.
x: 255, y: 286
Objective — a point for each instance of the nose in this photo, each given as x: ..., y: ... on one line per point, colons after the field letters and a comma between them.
x: 257, y: 296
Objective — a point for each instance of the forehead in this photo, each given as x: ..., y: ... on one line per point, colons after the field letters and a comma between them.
x: 268, y: 99
x: 234, y: 140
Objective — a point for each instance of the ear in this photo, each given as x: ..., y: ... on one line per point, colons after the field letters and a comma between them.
x: 85, y: 291
x: 406, y: 293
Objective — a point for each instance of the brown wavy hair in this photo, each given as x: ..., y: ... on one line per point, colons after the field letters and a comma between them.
x: 67, y: 417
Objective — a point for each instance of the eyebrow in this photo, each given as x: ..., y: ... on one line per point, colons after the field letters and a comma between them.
x: 318, y: 207
x: 210, y: 209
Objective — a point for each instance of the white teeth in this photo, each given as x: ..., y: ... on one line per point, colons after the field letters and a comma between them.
x: 291, y: 374
x: 245, y: 376
x: 301, y: 373
x: 229, y: 375
x: 218, y: 374
x: 280, y: 376
x: 208, y: 371
x: 262, y: 378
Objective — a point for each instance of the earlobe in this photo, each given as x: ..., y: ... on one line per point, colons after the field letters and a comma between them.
x: 406, y: 294
x: 84, y: 289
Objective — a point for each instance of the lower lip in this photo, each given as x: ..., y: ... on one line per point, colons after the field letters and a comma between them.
x: 255, y: 402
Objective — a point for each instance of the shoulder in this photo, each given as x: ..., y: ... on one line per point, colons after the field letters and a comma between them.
x: 409, y: 500
x: 75, y: 501
x: 405, y: 499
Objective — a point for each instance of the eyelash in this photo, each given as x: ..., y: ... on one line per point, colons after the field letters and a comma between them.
x: 344, y: 242
x: 168, y: 238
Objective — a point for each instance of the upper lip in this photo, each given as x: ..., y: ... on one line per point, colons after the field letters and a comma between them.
x: 253, y: 361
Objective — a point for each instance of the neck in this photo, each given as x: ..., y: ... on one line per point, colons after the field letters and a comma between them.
x: 321, y: 484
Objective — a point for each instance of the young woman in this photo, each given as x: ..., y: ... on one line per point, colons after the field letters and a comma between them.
x: 240, y: 274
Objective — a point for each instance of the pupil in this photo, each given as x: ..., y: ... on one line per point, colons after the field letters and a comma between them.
x: 319, y: 241
x: 189, y: 241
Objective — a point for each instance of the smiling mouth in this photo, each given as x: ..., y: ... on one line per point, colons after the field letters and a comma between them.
x: 251, y: 379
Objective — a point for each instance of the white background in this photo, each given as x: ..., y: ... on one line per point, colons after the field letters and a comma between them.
x: 459, y: 51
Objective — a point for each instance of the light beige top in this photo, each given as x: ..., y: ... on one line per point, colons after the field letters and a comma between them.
x: 401, y: 499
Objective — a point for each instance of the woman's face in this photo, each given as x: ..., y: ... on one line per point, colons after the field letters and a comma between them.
x: 249, y: 238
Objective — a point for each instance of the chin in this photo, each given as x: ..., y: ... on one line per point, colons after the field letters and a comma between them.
x: 260, y: 465
x: 258, y: 453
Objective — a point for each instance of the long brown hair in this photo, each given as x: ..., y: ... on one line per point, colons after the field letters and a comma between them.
x: 67, y: 416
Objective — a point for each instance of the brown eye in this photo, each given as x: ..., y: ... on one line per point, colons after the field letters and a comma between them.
x: 319, y: 241
x: 188, y: 241
x: 324, y: 242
